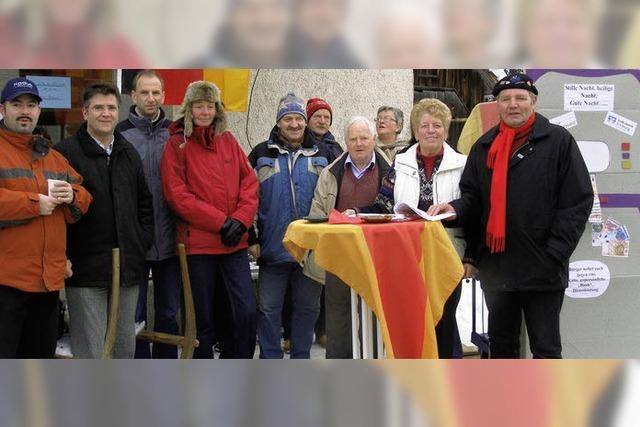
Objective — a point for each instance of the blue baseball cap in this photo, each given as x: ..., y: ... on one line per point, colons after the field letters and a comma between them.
x: 19, y: 86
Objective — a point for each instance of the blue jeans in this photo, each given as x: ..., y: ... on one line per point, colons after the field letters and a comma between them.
x: 272, y: 286
x: 236, y: 276
x: 166, y: 302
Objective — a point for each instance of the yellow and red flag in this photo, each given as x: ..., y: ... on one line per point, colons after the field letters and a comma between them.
x: 404, y: 272
x: 496, y: 393
x: 233, y: 85
x: 483, y: 117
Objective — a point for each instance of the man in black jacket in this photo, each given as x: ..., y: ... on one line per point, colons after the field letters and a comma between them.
x: 527, y: 194
x: 320, y: 117
x: 121, y: 216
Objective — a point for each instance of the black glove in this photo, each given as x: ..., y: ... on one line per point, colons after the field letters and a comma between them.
x: 232, y: 231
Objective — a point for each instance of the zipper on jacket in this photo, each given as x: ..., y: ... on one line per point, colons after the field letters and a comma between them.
x: 115, y: 218
x: 291, y: 162
x: 519, y: 152
x: 44, y: 234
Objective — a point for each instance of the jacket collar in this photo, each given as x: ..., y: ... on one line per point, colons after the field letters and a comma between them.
x: 90, y: 147
x: 19, y: 140
x: 451, y: 159
x: 37, y: 144
x: 327, y: 138
x: 143, y: 123
x: 337, y: 167
x: 205, y: 137
x: 541, y: 129
x: 308, y: 147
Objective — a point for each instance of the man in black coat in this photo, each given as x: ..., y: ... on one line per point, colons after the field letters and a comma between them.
x: 121, y: 216
x: 527, y: 194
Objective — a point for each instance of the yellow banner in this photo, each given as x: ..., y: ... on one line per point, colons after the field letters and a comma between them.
x: 234, y: 85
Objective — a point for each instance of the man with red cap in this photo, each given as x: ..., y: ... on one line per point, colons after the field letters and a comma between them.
x: 526, y: 193
x: 320, y: 117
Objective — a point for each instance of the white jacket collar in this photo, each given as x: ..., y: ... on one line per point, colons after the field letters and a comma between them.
x: 451, y: 159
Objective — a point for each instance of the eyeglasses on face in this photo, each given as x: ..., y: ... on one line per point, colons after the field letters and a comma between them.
x: 385, y: 119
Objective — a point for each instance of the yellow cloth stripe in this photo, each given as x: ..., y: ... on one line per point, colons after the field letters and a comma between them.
x: 234, y: 85
x: 343, y: 250
x: 435, y: 240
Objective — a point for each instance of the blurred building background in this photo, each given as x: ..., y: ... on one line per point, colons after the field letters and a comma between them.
x: 319, y: 33
x: 349, y: 92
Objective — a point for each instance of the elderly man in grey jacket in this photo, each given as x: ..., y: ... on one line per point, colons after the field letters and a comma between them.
x: 353, y: 179
x: 146, y: 128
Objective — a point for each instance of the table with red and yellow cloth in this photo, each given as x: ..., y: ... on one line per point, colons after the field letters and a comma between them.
x: 404, y: 271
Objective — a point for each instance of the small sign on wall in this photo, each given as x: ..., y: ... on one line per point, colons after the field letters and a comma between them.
x: 620, y: 123
x: 587, y: 279
x: 588, y: 97
x: 54, y: 91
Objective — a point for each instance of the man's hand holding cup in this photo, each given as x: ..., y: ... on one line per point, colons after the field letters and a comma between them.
x: 61, y: 191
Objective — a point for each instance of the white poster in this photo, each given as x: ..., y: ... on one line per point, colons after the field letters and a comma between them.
x: 588, y: 97
x: 566, y: 120
x: 587, y: 279
x: 620, y: 123
x: 596, y: 210
x: 595, y: 154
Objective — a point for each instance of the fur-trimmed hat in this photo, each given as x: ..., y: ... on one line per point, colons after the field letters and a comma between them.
x: 291, y: 104
x: 315, y: 104
x: 202, y: 91
x: 515, y: 81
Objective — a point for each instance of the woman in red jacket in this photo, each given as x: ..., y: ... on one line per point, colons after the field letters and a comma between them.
x: 209, y: 184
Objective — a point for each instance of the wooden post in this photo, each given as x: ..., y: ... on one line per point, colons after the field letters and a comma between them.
x: 190, y: 342
x: 114, y: 302
x: 187, y: 342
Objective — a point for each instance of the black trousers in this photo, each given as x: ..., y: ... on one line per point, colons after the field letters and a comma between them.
x: 234, y: 269
x: 447, y: 334
x: 541, y: 315
x: 28, y: 324
x: 338, y: 318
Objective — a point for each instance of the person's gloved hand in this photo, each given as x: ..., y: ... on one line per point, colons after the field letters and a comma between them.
x: 232, y: 231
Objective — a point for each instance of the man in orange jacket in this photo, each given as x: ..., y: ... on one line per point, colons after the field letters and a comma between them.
x: 39, y: 193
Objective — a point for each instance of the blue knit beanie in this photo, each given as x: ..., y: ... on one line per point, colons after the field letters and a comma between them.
x: 291, y: 104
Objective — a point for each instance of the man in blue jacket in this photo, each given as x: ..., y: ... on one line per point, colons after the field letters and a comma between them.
x: 288, y: 166
x: 146, y: 128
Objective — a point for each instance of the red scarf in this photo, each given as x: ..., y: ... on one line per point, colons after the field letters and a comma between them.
x: 498, y: 160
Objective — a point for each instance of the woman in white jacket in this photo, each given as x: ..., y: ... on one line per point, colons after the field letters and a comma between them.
x: 427, y: 173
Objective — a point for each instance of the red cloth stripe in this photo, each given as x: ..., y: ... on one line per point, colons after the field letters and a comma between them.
x: 501, y: 393
x: 400, y: 283
x: 176, y: 82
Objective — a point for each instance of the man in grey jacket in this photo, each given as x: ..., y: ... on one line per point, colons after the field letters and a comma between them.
x: 353, y: 179
x: 146, y: 129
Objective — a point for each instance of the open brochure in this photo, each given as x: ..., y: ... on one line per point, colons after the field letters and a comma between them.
x: 405, y: 209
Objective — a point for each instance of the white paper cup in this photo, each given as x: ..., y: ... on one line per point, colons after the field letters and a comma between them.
x: 51, y: 183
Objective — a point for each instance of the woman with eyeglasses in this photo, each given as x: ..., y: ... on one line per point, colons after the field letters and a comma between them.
x: 389, y: 123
